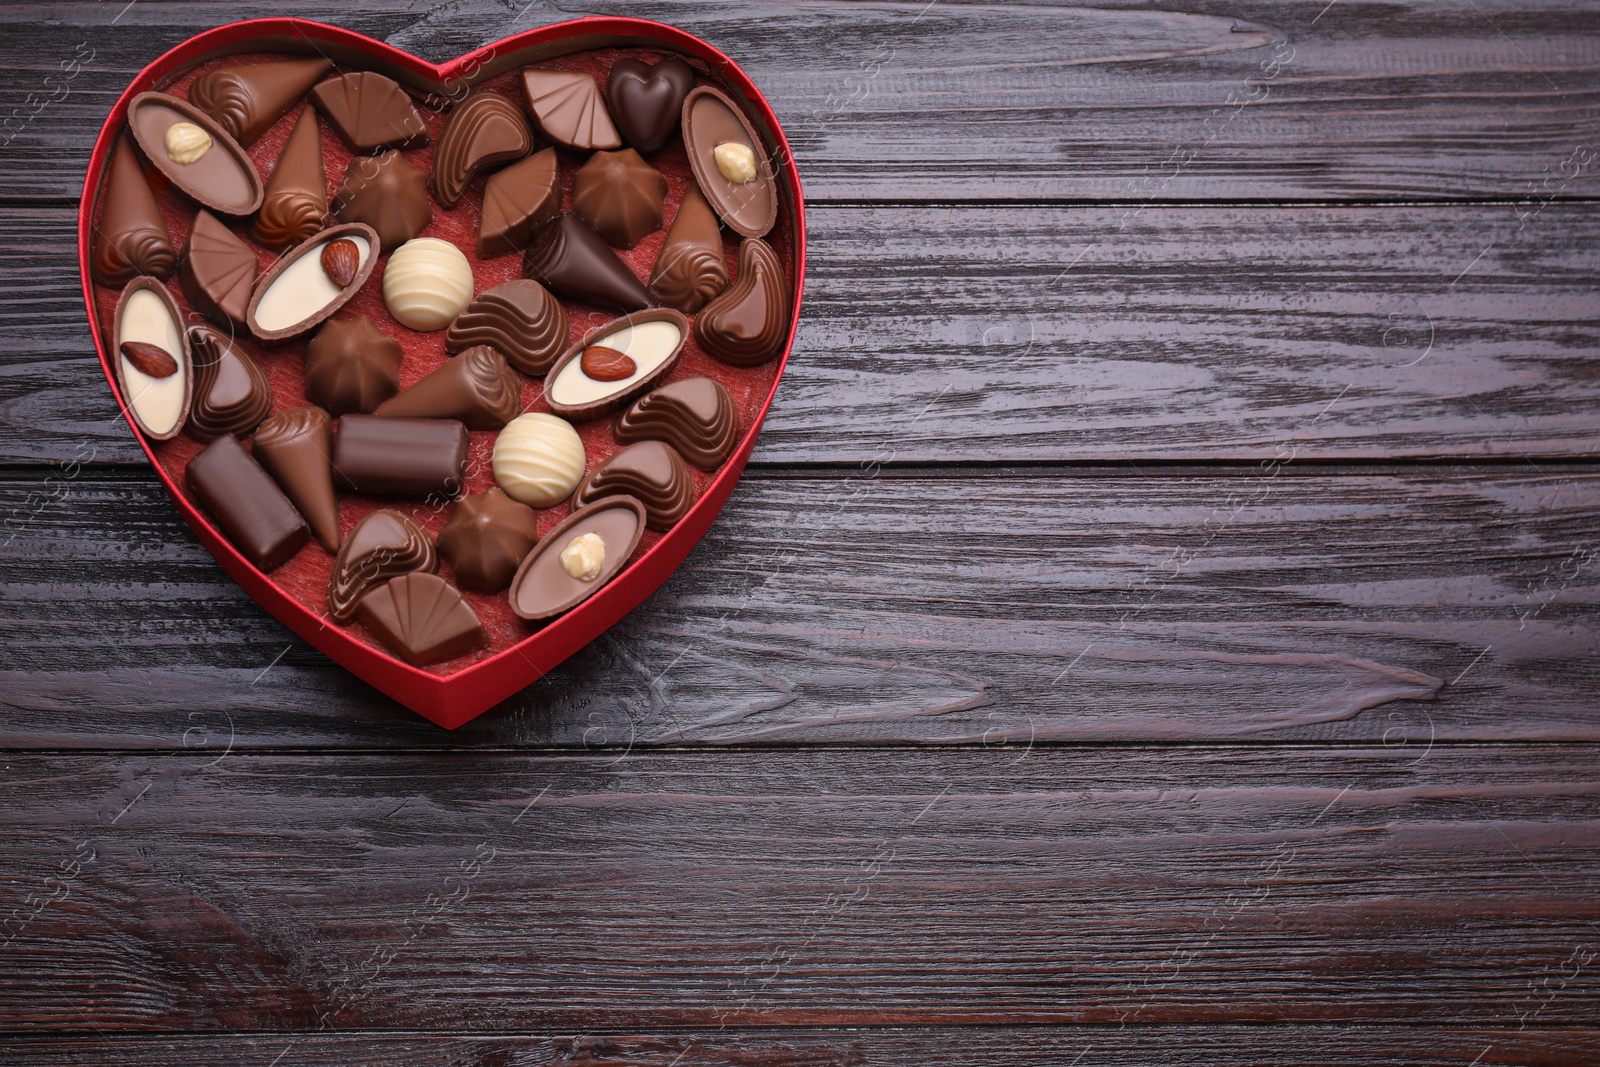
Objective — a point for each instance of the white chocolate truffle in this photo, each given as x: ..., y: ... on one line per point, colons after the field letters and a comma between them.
x: 538, y: 459
x: 427, y: 283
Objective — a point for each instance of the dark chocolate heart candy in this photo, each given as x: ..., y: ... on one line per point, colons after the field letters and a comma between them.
x: 646, y: 100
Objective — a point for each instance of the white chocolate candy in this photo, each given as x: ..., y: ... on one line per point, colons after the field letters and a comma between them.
x: 648, y: 344
x: 427, y: 283
x: 538, y: 459
x: 304, y: 288
x: 158, y: 402
x: 584, y: 556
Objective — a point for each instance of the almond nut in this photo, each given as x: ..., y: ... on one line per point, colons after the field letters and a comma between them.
x: 607, y: 364
x: 149, y: 360
x: 340, y: 261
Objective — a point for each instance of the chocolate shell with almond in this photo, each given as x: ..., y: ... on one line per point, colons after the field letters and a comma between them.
x: 690, y: 269
x: 614, y: 363
x: 516, y: 202
x: 652, y: 472
x: 352, y: 366
x: 620, y: 195
x: 746, y: 326
x: 647, y: 101
x: 248, y: 100
x: 568, y: 109
x: 388, y: 193
x: 155, y: 374
x: 422, y: 618
x: 295, y: 446
x: 296, y: 202
x: 370, y: 111
x: 384, y: 544
x: 132, y: 237
x: 307, y: 285
x: 231, y: 394
x: 218, y: 272
x: 519, y: 319
x: 485, y: 131
x: 544, y: 586
x: 696, y: 416
x: 487, y: 538
x: 574, y: 262
x: 195, y: 153
x: 476, y: 388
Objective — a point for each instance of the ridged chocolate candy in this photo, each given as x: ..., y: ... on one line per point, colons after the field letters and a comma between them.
x: 231, y: 394
x: 519, y: 319
x: 517, y: 201
x: 295, y: 446
x: 745, y: 326
x: 351, y: 365
x: 132, y: 238
x: 370, y: 111
x: 484, y: 131
x: 690, y: 268
x: 218, y: 271
x: 247, y: 101
x: 388, y: 193
x: 475, y: 387
x: 296, y: 202
x: 695, y: 416
x: 650, y: 471
x: 382, y: 545
x: 486, y: 540
x: 568, y: 109
x: 620, y: 195
x: 573, y: 261
x: 423, y: 618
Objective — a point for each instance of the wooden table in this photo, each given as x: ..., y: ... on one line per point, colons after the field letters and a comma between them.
x: 1158, y: 627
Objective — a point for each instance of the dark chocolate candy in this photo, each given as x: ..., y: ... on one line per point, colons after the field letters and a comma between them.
x: 388, y: 193
x: 487, y: 538
x: 614, y: 363
x: 370, y: 111
x: 158, y: 399
x: 568, y: 109
x: 517, y: 201
x: 647, y: 101
x: 746, y: 326
x: 247, y: 504
x: 690, y: 268
x: 220, y: 175
x: 296, y: 203
x: 475, y: 387
x: 297, y: 293
x: 519, y: 319
x: 696, y: 416
x: 423, y: 618
x: 382, y: 545
x: 231, y: 394
x: 400, y: 457
x: 132, y: 238
x: 246, y: 101
x: 217, y: 272
x: 483, y: 132
x: 543, y: 587
x: 620, y: 195
x: 572, y: 260
x: 710, y: 119
x: 295, y: 446
x: 650, y: 471
x: 352, y: 366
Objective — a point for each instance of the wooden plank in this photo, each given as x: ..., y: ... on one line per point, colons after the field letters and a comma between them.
x: 1093, y: 886
x: 937, y: 101
x: 1217, y: 333
x: 1403, y: 609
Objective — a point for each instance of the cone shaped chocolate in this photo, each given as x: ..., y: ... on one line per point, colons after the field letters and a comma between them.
x: 247, y: 101
x: 132, y: 239
x: 690, y: 269
x: 573, y: 261
x: 476, y: 387
x: 294, y: 446
x: 296, y: 203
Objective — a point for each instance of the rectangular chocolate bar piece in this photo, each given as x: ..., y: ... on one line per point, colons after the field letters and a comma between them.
x: 401, y: 457
x: 246, y: 503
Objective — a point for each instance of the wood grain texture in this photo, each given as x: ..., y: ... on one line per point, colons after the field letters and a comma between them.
x: 1090, y: 887
x: 1403, y: 609
x: 1210, y: 99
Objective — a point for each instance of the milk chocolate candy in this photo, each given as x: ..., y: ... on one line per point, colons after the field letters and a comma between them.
x: 132, y: 238
x: 614, y: 363
x: 517, y: 201
x: 647, y: 101
x: 400, y: 457
x: 475, y: 387
x: 487, y: 538
x: 620, y: 195
x: 519, y: 319
x: 246, y: 101
x: 382, y: 545
x: 483, y: 132
x: 296, y: 202
x: 199, y: 157
x: 651, y: 472
x: 710, y: 121
x: 295, y: 446
x: 568, y: 109
x: 696, y: 416
x: 690, y: 268
x: 300, y: 291
x: 573, y: 262
x: 389, y: 194
x: 544, y: 587
x: 231, y: 394
x: 217, y: 272
x: 422, y: 618
x: 154, y: 371
x: 746, y: 326
x: 248, y: 505
x: 370, y: 111
x: 352, y: 366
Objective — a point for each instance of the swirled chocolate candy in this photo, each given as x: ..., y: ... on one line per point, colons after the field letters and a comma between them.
x: 745, y: 326
x: 545, y: 584
x: 614, y: 363
x: 572, y: 260
x: 422, y: 618
x: 370, y: 111
x: 695, y: 416
x: 650, y: 471
x: 389, y: 194
x: 646, y: 101
x: 475, y: 387
x: 538, y: 459
x: 568, y: 109
x: 132, y: 238
x: 296, y: 203
x: 352, y: 366
x: 690, y: 268
x: 517, y: 201
x: 152, y: 363
x: 620, y: 195
x: 231, y: 395
x: 729, y: 163
x: 383, y: 545
x: 487, y: 538
x: 485, y: 131
x: 307, y: 285
x: 295, y: 446
x: 247, y: 101
x: 251, y: 510
x: 519, y: 319
x: 217, y: 272
x: 195, y: 153
x: 427, y: 283
x: 403, y: 457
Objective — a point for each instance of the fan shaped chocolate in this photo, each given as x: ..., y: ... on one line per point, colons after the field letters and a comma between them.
x: 519, y: 319
x: 217, y: 272
x: 690, y: 268
x: 388, y: 193
x: 352, y: 366
x: 747, y: 202
x: 646, y: 101
x: 475, y: 387
x: 423, y: 618
x: 517, y: 201
x: 487, y: 538
x: 572, y: 261
x: 295, y: 446
x: 545, y: 586
x: 299, y: 292
x: 157, y: 397
x: 746, y: 326
x: 652, y: 472
x: 296, y: 202
x: 696, y: 416
x: 231, y: 394
x: 384, y: 544
x: 195, y: 153
x: 485, y: 131
x: 568, y: 109
x: 620, y: 195
x: 615, y: 362
x: 246, y: 101
x: 132, y: 238
x: 370, y: 111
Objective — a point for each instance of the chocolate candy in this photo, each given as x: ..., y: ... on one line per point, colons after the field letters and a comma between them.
x: 132, y: 238
x: 568, y: 109
x: 485, y: 131
x: 620, y: 195
x: 231, y: 395
x: 646, y: 101
x: 155, y: 391
x: 296, y: 203
x: 517, y: 201
x: 712, y: 121
x: 650, y: 471
x: 352, y: 366
x: 383, y: 545
x: 572, y: 260
x: 247, y: 101
x: 427, y: 283
x: 615, y: 363
x: 690, y: 268
x: 195, y: 152
x: 746, y: 326
x: 476, y: 387
x: 545, y: 584
x: 217, y: 272
x: 294, y: 447
x: 519, y: 319
x: 486, y: 539
x: 387, y: 193
x: 298, y: 293
x: 370, y: 112
x: 422, y: 618
x: 401, y: 457
x: 249, y: 507
x: 538, y: 459
x: 695, y: 416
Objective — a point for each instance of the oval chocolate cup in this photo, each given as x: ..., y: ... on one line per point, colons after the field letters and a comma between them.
x: 562, y: 592
x: 224, y: 179
x: 314, y: 279
x: 612, y: 396
x: 143, y: 397
x: 710, y: 118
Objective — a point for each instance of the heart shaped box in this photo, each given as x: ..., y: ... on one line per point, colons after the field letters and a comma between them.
x: 453, y: 699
